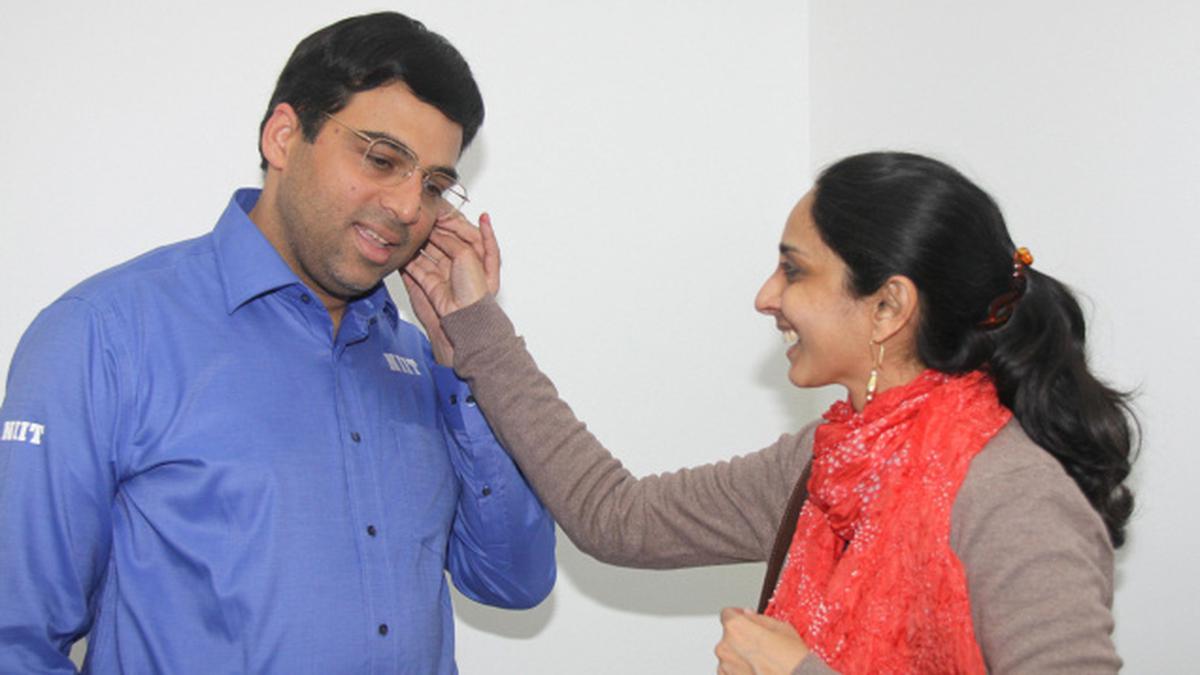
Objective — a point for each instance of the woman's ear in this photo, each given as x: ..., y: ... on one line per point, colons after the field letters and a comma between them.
x: 895, y: 307
x: 279, y: 131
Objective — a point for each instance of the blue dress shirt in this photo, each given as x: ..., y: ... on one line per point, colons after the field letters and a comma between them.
x: 198, y: 474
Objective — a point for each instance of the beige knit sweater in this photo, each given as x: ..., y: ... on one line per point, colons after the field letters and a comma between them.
x: 1038, y: 560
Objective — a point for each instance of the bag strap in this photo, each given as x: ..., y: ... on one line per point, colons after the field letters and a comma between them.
x: 783, y: 538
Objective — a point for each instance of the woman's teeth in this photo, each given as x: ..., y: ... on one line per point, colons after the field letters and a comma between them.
x: 790, y: 336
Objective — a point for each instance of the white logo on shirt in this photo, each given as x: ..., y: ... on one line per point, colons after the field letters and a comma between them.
x: 21, y: 431
x: 402, y: 364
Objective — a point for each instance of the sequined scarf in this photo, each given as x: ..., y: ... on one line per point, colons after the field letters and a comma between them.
x: 870, y: 580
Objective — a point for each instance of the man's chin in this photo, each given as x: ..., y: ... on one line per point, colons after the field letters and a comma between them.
x: 353, y: 289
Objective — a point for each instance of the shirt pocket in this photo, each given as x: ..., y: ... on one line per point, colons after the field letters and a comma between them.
x: 419, y: 484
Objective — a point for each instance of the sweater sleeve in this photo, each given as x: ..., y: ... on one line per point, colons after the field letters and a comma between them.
x: 717, y: 513
x: 1038, y: 561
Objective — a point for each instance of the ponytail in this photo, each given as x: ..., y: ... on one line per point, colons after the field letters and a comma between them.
x: 1039, y: 365
x: 898, y: 213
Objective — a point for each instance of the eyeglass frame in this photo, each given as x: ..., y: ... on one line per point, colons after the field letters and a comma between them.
x: 456, y: 188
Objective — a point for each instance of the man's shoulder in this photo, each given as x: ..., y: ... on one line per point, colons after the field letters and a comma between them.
x: 156, y: 271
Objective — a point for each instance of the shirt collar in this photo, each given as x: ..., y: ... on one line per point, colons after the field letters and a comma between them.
x: 374, y: 302
x: 250, y: 266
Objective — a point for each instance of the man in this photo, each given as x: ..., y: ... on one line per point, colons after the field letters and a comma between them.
x: 230, y: 455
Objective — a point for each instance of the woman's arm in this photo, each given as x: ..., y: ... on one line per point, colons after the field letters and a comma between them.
x: 723, y: 512
x: 717, y: 513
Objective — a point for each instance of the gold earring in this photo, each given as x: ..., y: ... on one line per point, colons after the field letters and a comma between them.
x: 873, y: 380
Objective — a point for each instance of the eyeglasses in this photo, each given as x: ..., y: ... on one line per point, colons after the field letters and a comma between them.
x: 388, y: 163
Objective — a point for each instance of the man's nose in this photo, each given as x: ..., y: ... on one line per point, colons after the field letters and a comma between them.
x: 404, y: 199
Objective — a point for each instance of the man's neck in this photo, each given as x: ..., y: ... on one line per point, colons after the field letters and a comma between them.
x: 266, y: 218
x: 336, y: 312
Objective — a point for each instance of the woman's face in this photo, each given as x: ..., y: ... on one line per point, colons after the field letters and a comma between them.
x: 828, y: 331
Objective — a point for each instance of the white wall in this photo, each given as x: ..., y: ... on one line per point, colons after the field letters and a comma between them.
x: 638, y: 159
x: 1082, y: 120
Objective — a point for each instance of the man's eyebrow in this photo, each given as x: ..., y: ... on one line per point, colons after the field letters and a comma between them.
x: 382, y: 136
x: 385, y: 136
x: 448, y: 170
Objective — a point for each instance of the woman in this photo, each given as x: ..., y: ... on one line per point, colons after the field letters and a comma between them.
x: 956, y: 513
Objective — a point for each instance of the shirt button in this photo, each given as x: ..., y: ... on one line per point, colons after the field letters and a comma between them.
x: 371, y: 530
x: 305, y: 298
x: 355, y: 436
x: 470, y: 400
x: 383, y: 629
x: 487, y: 490
x: 453, y: 399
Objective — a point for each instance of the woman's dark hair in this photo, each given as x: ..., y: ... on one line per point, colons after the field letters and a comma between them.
x: 896, y: 213
x: 364, y: 52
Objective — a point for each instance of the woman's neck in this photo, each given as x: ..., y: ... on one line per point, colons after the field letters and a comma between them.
x: 890, y: 375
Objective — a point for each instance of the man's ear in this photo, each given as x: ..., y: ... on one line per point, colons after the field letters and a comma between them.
x: 895, y: 307
x: 280, y: 132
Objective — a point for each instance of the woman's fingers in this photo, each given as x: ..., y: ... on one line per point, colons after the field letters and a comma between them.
x: 458, y: 225
x: 491, y: 253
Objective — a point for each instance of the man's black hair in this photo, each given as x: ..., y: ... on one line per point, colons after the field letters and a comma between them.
x: 369, y: 51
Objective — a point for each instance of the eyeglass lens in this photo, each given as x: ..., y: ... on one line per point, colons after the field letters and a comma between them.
x: 388, y: 164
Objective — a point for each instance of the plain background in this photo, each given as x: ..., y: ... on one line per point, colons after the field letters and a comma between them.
x: 639, y: 159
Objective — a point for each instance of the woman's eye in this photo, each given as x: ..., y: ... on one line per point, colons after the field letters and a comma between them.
x: 790, y: 271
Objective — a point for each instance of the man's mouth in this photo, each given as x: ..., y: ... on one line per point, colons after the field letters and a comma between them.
x: 372, y: 236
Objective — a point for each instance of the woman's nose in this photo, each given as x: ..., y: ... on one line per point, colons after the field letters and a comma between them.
x: 767, y: 300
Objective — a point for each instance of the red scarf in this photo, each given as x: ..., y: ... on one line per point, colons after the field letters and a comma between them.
x: 870, y: 580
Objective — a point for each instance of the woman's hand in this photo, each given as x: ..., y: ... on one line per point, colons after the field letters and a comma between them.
x: 458, y: 266
x: 753, y: 644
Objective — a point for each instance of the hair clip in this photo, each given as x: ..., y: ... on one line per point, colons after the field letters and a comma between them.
x: 1022, y: 258
x: 1002, y: 308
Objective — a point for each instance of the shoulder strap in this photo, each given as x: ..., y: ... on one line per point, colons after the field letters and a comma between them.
x: 783, y: 538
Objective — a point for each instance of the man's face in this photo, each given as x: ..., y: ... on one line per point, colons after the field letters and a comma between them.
x: 340, y: 231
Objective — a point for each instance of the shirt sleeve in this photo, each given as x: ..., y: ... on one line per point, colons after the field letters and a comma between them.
x: 502, y: 544
x: 56, y: 485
